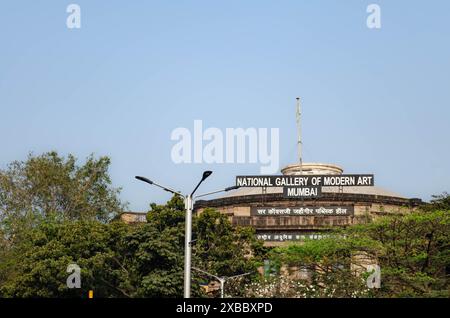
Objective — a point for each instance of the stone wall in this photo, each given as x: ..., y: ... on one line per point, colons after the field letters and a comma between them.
x: 238, y: 209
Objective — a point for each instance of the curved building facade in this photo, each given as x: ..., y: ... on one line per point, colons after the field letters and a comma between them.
x: 278, y: 219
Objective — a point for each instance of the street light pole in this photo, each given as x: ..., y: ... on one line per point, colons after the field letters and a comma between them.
x: 222, y: 279
x: 187, y: 246
x: 189, y: 206
x: 222, y: 287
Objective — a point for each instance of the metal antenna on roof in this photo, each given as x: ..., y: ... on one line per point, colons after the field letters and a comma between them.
x: 299, y: 131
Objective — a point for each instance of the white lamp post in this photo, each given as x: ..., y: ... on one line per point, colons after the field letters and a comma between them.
x: 222, y: 280
x: 189, y: 205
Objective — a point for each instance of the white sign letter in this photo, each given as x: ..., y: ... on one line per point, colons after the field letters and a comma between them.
x: 181, y: 151
x: 74, y: 279
x: 374, y: 19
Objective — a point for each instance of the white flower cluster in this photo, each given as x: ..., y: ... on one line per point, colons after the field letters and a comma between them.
x: 284, y: 287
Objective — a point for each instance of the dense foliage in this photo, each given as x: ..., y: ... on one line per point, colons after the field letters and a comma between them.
x: 412, y: 250
x: 122, y: 260
x: 50, y: 186
x: 225, y: 251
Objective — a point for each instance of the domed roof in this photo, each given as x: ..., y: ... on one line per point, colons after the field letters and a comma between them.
x: 311, y: 169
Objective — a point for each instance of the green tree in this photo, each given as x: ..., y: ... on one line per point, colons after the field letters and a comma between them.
x: 120, y: 260
x: 412, y: 250
x: 439, y: 202
x: 415, y: 254
x: 41, y: 260
x: 116, y: 259
x: 154, y: 252
x: 330, y: 267
x: 50, y: 189
x: 218, y: 248
x: 224, y: 250
x: 51, y: 186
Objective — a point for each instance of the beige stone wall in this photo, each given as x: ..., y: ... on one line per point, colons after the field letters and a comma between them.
x: 360, y: 209
x: 133, y: 218
x: 239, y: 215
x: 241, y: 211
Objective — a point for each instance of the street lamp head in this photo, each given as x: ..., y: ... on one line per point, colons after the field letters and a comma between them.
x: 232, y: 188
x: 144, y: 179
x: 206, y: 174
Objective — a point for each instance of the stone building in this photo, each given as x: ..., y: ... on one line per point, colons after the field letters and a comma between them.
x: 271, y: 213
x: 133, y: 217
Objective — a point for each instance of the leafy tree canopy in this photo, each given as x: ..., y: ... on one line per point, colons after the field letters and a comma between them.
x: 51, y: 186
x: 123, y: 260
x: 225, y: 251
x: 412, y: 250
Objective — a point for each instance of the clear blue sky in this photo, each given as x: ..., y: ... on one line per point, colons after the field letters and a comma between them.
x: 375, y: 101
